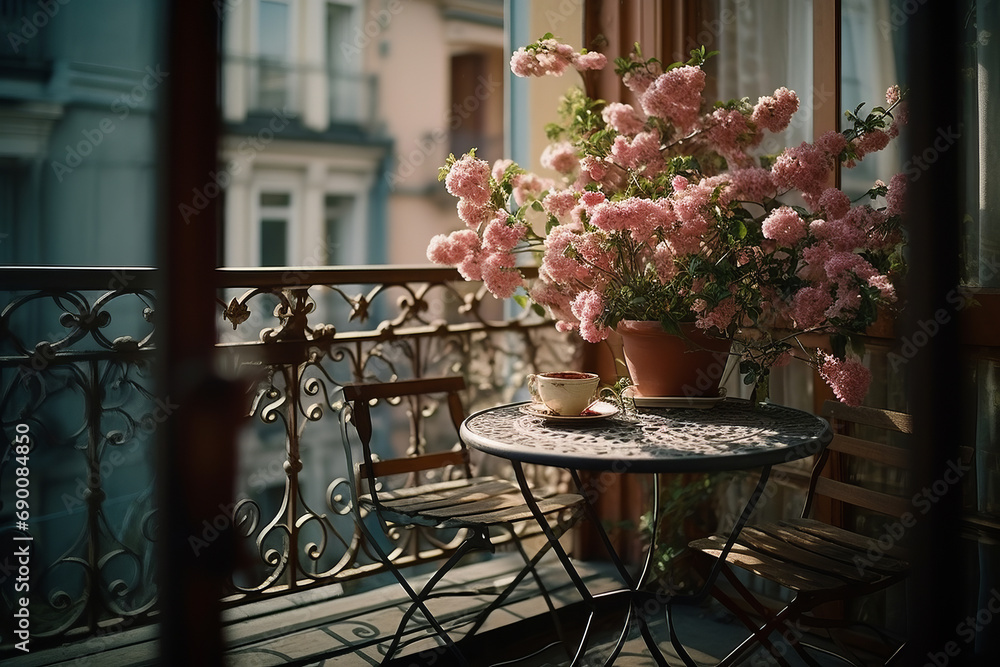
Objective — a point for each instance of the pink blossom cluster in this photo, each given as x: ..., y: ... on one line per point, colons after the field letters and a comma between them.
x: 848, y: 378
x: 639, y: 217
x: 587, y: 307
x: 623, y: 118
x: 774, y: 112
x: 552, y: 57
x: 720, y: 317
x: 627, y: 208
x: 675, y: 96
x: 895, y: 197
x: 732, y: 133
x: 806, y: 168
x: 561, y: 157
x: 640, y: 153
x: 559, y: 203
x: 784, y: 225
x: 469, y: 179
x: 750, y: 184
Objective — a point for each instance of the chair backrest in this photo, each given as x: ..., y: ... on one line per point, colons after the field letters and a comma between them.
x: 845, y: 420
x: 362, y: 395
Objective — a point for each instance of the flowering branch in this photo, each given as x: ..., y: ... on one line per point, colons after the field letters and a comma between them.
x: 650, y: 217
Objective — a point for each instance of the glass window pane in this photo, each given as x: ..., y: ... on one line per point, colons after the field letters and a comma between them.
x: 273, y: 242
x: 273, y: 30
x: 275, y: 199
x: 868, y: 68
x: 339, y: 212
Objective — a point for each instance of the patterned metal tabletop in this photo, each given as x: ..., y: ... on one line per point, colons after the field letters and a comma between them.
x: 732, y: 435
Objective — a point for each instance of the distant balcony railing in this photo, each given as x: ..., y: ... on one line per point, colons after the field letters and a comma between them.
x: 77, y: 361
x: 263, y: 84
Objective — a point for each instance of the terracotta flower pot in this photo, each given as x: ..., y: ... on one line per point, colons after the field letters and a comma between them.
x: 663, y: 364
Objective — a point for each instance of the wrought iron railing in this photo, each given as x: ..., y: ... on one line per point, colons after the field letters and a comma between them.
x: 77, y: 357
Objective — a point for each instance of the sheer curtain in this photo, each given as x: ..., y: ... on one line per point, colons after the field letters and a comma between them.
x: 983, y: 30
x: 983, y: 268
x: 763, y: 46
x: 767, y: 45
x: 870, y: 45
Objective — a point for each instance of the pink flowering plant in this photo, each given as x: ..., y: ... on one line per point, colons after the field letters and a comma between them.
x: 664, y: 211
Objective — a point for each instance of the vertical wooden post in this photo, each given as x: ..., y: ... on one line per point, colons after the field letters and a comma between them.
x: 195, y: 459
x: 826, y: 103
x: 934, y: 375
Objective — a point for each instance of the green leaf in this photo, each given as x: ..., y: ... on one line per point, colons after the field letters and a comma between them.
x: 520, y: 300
x: 670, y: 326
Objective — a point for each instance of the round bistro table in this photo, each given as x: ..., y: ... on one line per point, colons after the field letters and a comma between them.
x: 732, y: 435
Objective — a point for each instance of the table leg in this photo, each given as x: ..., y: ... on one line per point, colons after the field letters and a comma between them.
x: 713, y: 574
x: 568, y: 566
x: 636, y: 598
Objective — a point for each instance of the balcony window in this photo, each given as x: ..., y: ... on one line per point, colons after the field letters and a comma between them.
x: 275, y: 212
x: 274, y: 77
x: 339, y: 212
x: 349, y: 96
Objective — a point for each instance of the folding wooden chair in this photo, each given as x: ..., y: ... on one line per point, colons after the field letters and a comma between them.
x: 479, y: 509
x: 817, y: 561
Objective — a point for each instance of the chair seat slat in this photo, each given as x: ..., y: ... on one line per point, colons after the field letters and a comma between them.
x: 520, y: 512
x: 856, y: 557
x: 894, y: 556
x: 785, y: 550
x: 451, y: 498
x: 432, y: 487
x: 786, y: 574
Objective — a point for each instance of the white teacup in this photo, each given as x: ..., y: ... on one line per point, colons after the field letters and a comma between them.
x: 564, y: 392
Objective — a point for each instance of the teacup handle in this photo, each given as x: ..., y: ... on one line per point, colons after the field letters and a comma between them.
x: 533, y: 388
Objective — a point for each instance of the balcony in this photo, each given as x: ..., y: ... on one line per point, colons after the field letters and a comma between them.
x: 76, y: 354
x: 77, y: 351
x: 323, y: 98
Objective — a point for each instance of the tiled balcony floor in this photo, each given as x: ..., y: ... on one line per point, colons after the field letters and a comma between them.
x: 315, y: 629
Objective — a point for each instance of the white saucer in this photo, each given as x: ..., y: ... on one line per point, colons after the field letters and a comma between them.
x: 596, y: 411
x: 690, y: 402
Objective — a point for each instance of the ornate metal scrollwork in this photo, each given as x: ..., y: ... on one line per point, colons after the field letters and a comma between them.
x: 74, y: 368
x: 75, y: 364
